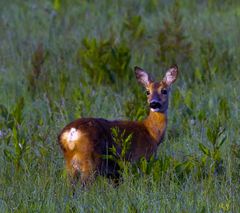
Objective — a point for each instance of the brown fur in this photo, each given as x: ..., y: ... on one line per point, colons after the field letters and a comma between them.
x: 86, y: 140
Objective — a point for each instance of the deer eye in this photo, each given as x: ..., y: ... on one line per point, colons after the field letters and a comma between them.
x: 164, y: 91
x: 148, y: 92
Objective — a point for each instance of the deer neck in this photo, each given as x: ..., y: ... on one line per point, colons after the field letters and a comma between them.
x: 156, y: 124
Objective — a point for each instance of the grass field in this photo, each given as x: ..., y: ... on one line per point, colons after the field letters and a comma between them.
x: 61, y: 60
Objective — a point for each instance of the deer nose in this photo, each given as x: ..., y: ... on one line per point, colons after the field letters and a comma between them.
x: 155, y: 105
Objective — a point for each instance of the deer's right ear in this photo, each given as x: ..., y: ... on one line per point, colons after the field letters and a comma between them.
x: 142, y: 76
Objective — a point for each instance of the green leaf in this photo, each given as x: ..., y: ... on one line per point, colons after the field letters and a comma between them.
x: 8, y: 118
x: 212, y: 135
x: 198, y: 74
x: 16, y: 143
x: 179, y: 168
x: 64, y: 79
x: 224, y: 107
x: 113, y: 150
x: 8, y: 155
x: 108, y: 157
x: 143, y: 165
x: 17, y: 111
x: 188, y: 100
x: 57, y: 5
x: 3, y: 111
x: 221, y: 141
x: 202, y: 115
x: 204, y: 149
x: 177, y: 98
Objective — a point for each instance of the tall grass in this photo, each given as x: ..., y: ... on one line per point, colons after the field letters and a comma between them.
x: 61, y: 60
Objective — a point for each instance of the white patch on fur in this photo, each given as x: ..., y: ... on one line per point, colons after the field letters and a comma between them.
x: 71, y: 137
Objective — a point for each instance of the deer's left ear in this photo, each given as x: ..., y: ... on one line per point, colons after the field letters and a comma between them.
x: 171, y: 75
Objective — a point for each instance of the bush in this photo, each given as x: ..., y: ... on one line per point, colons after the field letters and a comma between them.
x: 105, y: 61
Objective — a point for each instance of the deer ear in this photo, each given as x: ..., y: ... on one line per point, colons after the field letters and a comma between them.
x: 142, y: 76
x: 171, y: 75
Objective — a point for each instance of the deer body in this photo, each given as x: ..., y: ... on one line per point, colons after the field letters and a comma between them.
x: 86, y: 140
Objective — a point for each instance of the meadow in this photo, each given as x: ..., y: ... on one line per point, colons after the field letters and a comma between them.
x: 61, y: 60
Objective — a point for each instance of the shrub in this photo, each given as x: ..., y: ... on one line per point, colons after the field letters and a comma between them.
x: 173, y: 44
x: 105, y: 61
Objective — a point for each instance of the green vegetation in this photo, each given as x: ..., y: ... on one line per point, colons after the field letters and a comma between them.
x: 62, y: 59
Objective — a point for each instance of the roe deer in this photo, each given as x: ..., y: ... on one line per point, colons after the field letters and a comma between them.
x: 86, y: 140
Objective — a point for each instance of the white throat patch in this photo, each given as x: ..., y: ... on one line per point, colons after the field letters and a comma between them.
x: 154, y: 110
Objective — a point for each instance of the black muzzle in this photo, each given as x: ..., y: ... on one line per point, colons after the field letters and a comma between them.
x: 155, y: 105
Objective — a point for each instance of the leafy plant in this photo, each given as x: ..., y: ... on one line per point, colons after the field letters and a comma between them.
x: 133, y: 29
x: 64, y: 79
x: 184, y: 169
x: 38, y: 58
x: 155, y: 167
x: 14, y: 117
x: 118, y: 153
x: 12, y: 132
x: 173, y: 44
x: 212, y: 159
x: 6, y: 118
x: 15, y: 153
x: 235, y: 154
x: 213, y: 60
x: 105, y: 61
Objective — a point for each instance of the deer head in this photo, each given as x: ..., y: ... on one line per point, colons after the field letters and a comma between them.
x: 157, y: 92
